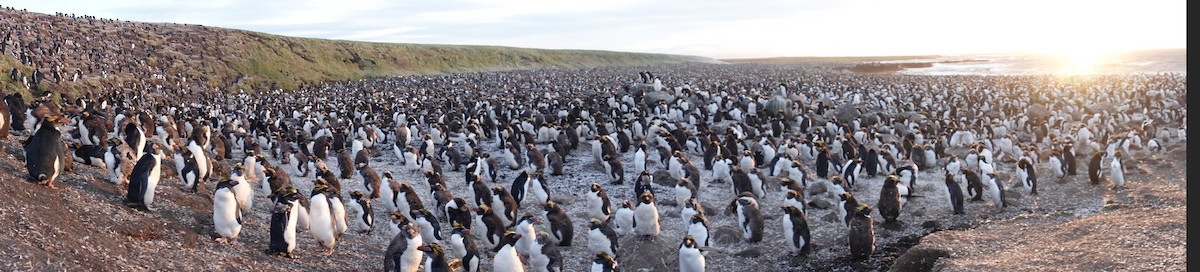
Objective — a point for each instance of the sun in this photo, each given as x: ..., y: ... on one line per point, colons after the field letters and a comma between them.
x: 1079, y: 60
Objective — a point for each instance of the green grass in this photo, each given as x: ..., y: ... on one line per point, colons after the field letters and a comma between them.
x: 286, y: 62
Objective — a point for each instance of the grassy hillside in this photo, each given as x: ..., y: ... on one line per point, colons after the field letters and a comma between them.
x: 118, y: 54
x: 289, y: 61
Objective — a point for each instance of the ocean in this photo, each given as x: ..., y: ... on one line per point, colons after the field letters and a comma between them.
x: 1133, y: 62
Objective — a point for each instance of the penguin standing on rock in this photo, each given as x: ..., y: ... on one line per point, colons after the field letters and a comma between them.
x: 227, y: 218
x: 691, y: 259
x: 645, y: 217
x: 144, y: 179
x: 44, y: 154
x: 795, y: 230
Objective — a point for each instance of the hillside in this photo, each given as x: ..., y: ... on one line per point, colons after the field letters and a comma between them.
x: 114, y: 54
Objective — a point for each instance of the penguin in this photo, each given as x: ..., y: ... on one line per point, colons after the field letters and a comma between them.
x: 795, y: 198
x: 119, y: 160
x: 646, y: 213
x: 227, y: 218
x: 1094, y: 171
x: 795, y: 231
x: 974, y: 184
x: 457, y: 212
x: 144, y: 179
x: 482, y: 194
x: 955, y: 193
x: 402, y: 253
x: 359, y: 209
x: 870, y: 162
x: 690, y: 207
x: 505, y: 205
x: 750, y: 218
x: 407, y: 200
x: 684, y: 190
x: 372, y: 181
x: 431, y: 231
x: 908, y: 175
x: 848, y: 205
x: 602, y: 238
x: 561, y: 228
x: 1057, y: 168
x: 544, y: 256
x: 519, y: 186
x: 283, y: 221
x: 44, y: 152
x: 189, y: 174
x: 203, y: 167
x: 861, y: 236
x: 526, y: 227
x: 537, y: 188
x: 604, y: 262
x: 623, y: 218
x: 1117, y: 170
x: 614, y: 170
x: 741, y: 181
x: 698, y: 229
x: 691, y: 258
x: 598, y: 203
x: 852, y: 171
x: 995, y: 190
x: 556, y: 163
x: 320, y: 217
x: 441, y: 197
x: 461, y: 243
x: 1027, y: 174
x: 722, y: 170
x: 337, y: 208
x: 639, y: 158
x: 88, y: 154
x: 242, y: 189
x: 507, y: 259
x: 1068, y: 153
x: 889, y: 199
x: 437, y: 257
x: 493, y: 226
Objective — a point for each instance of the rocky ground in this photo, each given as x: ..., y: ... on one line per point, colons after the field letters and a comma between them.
x: 1071, y: 225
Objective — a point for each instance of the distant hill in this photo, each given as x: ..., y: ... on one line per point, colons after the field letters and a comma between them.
x: 798, y: 60
x: 114, y: 54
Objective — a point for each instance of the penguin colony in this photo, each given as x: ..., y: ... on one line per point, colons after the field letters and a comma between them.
x: 467, y: 180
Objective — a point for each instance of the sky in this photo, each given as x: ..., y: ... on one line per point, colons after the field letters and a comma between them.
x: 717, y: 29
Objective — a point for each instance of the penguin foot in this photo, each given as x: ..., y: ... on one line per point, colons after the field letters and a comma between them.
x: 221, y: 240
